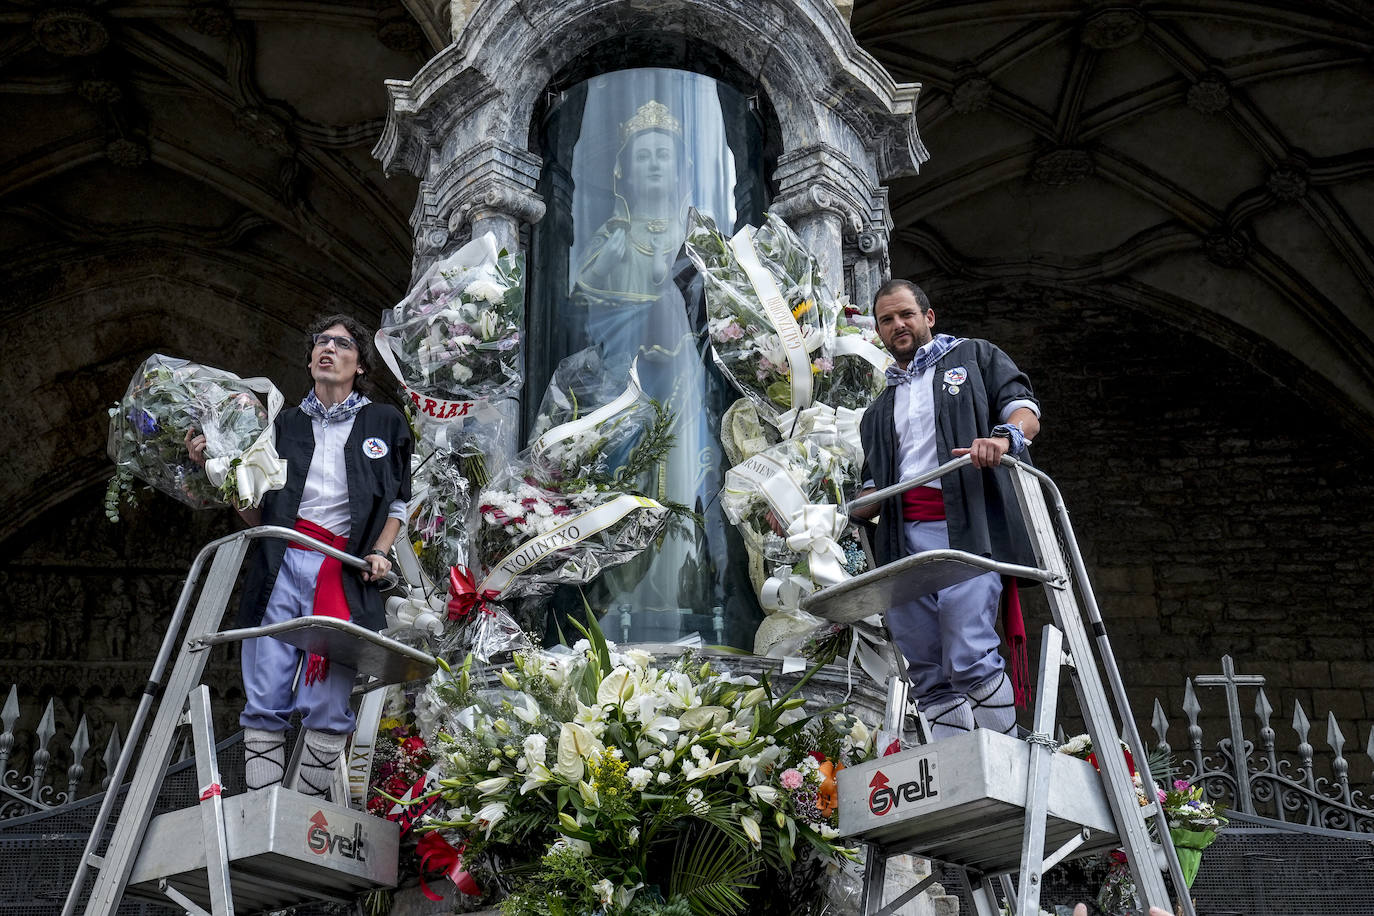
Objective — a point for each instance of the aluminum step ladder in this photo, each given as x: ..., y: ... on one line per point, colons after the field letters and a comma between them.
x: 262, y: 849
x: 990, y: 804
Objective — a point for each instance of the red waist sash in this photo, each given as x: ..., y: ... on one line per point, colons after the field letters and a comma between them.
x: 923, y: 504
x: 329, y: 593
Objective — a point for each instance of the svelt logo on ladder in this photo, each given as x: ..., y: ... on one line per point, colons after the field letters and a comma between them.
x: 884, y: 797
x: 320, y: 841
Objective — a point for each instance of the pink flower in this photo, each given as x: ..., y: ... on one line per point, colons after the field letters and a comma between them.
x: 790, y: 779
x: 1181, y: 785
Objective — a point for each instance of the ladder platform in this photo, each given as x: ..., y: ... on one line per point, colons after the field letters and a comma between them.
x: 962, y: 800
x: 382, y: 659
x: 876, y: 591
x: 284, y: 848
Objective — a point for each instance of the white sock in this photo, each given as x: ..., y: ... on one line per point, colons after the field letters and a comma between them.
x: 994, y: 706
x: 949, y: 717
x: 318, y: 759
x: 264, y: 757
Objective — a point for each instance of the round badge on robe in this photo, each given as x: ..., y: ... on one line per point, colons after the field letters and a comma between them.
x: 953, y: 389
x: 374, y: 448
x: 956, y: 376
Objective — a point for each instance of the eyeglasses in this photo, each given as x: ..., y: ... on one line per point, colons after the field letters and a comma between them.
x: 343, y: 343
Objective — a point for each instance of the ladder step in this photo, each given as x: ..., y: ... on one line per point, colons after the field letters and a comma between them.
x: 284, y: 848
x: 962, y: 800
x: 925, y: 573
x: 382, y: 659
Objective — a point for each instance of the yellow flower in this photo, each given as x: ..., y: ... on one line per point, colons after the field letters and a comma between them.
x: 801, y: 308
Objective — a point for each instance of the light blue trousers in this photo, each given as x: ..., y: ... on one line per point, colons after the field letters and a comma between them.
x: 269, y: 665
x: 949, y: 638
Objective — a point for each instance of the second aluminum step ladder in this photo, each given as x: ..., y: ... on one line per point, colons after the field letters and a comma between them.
x: 990, y: 804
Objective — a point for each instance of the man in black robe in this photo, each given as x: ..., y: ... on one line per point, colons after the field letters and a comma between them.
x: 347, y: 484
x: 948, y: 397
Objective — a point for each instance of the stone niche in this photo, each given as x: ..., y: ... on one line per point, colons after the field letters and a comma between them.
x: 772, y: 105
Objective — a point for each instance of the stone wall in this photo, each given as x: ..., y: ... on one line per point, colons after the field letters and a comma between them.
x: 1219, y: 511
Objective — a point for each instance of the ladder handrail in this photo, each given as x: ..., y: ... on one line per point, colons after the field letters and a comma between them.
x: 920, y: 480
x: 1099, y: 632
x: 153, y: 688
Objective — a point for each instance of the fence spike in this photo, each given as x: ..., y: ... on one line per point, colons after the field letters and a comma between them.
x: 8, y: 715
x: 1262, y: 708
x: 45, y: 731
x: 81, y: 743
x: 113, y: 748
x: 1300, y: 723
x: 1161, y: 727
x: 1333, y: 734
x: 1191, y: 707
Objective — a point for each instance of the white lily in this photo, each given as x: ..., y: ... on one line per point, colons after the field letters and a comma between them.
x: 492, y: 786
x: 751, y: 830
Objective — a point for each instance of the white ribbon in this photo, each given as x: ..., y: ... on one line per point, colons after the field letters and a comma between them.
x: 841, y: 422
x: 855, y: 345
x: 867, y: 649
x: 784, y: 591
x: 624, y: 401
x: 260, y: 468
x: 575, y: 529
x: 813, y: 531
x: 416, y: 612
x: 784, y: 323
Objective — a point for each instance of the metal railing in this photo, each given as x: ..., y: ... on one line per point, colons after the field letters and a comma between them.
x: 1255, y: 779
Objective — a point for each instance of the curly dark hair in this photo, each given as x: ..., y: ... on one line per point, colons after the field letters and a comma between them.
x: 359, y: 333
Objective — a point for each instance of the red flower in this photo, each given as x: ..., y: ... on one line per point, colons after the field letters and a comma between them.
x: 414, y: 745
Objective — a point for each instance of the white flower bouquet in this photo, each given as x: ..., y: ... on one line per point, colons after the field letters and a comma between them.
x: 593, y: 420
x: 789, y: 499
x: 169, y: 397
x: 454, y: 340
x: 777, y: 331
x: 617, y: 785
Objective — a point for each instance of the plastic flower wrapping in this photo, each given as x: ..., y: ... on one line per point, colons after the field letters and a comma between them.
x: 454, y: 340
x: 439, y: 507
x: 615, y: 784
x: 778, y: 333
x: 169, y: 397
x: 569, y: 507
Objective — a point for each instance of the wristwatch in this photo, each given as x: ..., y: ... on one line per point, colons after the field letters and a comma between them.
x: 1016, y: 439
x: 374, y: 550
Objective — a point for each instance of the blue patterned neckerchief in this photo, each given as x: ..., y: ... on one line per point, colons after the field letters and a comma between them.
x: 925, y: 357
x: 344, y: 410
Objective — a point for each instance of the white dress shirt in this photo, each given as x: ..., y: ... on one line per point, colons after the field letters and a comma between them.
x: 324, y: 500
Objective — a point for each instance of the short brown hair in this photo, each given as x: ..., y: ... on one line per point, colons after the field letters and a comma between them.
x: 891, y: 286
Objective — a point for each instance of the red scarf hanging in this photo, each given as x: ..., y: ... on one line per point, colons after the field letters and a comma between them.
x: 329, y: 592
x: 927, y: 504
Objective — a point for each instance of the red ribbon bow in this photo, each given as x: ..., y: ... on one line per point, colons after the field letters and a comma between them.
x: 436, y: 855
x: 463, y: 597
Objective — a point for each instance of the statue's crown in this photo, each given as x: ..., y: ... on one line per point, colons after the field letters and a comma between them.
x: 651, y: 116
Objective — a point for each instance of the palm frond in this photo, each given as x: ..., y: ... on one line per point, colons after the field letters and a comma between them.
x: 711, y: 869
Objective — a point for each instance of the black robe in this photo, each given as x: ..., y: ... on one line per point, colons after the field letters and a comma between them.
x: 980, y: 505
x: 373, y: 484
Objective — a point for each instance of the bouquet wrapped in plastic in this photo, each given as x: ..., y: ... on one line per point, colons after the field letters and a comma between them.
x: 438, y: 509
x: 572, y: 507
x: 777, y: 331
x: 168, y: 398
x: 594, y: 419
x: 454, y: 340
